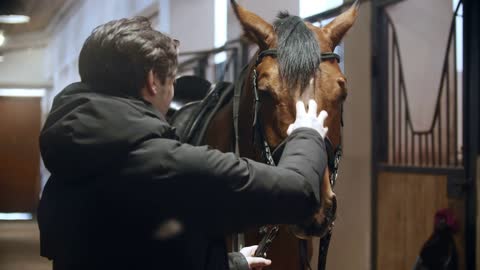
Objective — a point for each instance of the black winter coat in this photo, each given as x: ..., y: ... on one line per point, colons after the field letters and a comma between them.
x: 124, y: 194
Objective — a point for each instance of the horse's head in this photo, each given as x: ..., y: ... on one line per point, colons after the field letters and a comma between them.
x: 296, y: 62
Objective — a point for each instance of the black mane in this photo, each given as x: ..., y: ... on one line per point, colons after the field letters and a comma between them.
x: 298, y: 51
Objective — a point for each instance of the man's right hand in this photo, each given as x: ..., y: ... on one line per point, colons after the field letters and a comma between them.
x: 310, y: 119
x: 256, y: 263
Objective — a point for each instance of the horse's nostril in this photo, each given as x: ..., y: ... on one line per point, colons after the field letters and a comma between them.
x: 341, y: 82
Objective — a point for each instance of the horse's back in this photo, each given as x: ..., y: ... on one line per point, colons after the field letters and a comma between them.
x: 193, y: 119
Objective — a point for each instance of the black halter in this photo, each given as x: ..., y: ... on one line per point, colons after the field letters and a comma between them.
x: 334, y: 157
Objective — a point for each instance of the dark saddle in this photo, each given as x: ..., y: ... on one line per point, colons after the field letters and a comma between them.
x: 191, y: 120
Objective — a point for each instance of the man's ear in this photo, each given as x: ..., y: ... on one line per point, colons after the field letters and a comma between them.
x: 151, y: 84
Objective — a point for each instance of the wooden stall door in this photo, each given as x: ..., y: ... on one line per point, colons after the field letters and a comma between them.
x: 419, y: 148
x: 407, y: 203
x: 19, y: 155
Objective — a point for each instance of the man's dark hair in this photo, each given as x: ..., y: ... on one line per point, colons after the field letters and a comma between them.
x: 118, y: 55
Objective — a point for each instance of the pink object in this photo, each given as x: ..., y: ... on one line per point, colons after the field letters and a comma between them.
x: 447, y: 216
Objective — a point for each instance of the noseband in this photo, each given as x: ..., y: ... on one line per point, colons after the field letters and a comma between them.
x: 333, y: 155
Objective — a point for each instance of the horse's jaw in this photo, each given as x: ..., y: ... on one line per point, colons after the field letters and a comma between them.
x: 323, y: 220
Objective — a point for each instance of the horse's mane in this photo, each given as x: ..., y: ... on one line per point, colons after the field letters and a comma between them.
x: 298, y: 51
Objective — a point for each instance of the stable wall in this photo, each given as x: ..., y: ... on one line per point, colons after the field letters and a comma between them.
x: 265, y: 9
x: 192, y: 23
x: 23, y: 68
x: 70, y: 31
x: 350, y: 246
x: 351, y: 240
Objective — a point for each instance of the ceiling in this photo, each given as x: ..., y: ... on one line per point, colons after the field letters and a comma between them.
x: 40, y: 12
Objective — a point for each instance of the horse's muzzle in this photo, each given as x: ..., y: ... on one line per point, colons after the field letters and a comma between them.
x: 320, y: 224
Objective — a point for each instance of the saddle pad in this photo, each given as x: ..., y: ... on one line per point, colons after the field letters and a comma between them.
x: 191, y: 121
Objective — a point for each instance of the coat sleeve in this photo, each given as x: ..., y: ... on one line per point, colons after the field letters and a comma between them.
x: 236, y: 261
x: 223, y: 191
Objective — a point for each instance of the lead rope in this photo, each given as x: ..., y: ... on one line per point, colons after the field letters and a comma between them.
x: 238, y: 240
x: 269, y: 231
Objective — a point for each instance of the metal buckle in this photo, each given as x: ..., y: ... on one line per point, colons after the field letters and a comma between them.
x: 264, y: 245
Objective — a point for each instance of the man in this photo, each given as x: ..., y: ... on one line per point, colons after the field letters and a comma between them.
x: 124, y: 194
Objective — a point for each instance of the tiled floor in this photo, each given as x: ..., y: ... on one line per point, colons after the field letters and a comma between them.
x: 20, y: 248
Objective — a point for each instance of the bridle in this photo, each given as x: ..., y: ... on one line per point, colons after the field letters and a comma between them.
x: 333, y: 155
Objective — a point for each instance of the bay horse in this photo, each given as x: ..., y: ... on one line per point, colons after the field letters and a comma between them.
x: 295, y: 62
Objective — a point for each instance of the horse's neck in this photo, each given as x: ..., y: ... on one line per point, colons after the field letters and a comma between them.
x: 222, y: 123
x: 245, y: 123
x: 220, y: 131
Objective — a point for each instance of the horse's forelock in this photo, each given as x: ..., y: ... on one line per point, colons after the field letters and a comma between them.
x: 298, y: 50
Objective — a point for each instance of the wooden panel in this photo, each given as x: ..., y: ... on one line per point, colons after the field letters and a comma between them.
x: 19, y: 154
x: 406, y: 205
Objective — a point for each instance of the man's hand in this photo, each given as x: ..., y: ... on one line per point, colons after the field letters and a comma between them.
x: 254, y: 262
x: 310, y: 119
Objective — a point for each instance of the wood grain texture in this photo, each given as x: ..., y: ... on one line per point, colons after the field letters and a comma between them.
x: 406, y: 205
x: 19, y: 154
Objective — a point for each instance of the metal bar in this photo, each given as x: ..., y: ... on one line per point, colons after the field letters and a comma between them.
x: 433, y: 148
x: 413, y: 148
x: 425, y: 151
x: 394, y: 111
x: 444, y: 71
x: 455, y: 87
x: 420, y: 149
x: 378, y: 29
x: 421, y: 170
x: 406, y: 132
x: 447, y: 78
x: 331, y: 12
x: 428, y: 148
x: 399, y: 119
x: 384, y: 95
x: 400, y: 69
x: 439, y: 117
x: 471, y: 57
x: 224, y: 48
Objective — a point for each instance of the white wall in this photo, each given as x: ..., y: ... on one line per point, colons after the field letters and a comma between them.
x: 69, y: 33
x: 268, y: 10
x: 351, y: 245
x: 191, y: 22
x: 419, y: 29
x: 23, y: 68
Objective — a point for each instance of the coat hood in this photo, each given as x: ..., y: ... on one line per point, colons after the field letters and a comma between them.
x: 88, y: 132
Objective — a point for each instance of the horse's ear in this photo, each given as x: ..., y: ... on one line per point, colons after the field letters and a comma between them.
x: 256, y: 29
x: 337, y: 28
